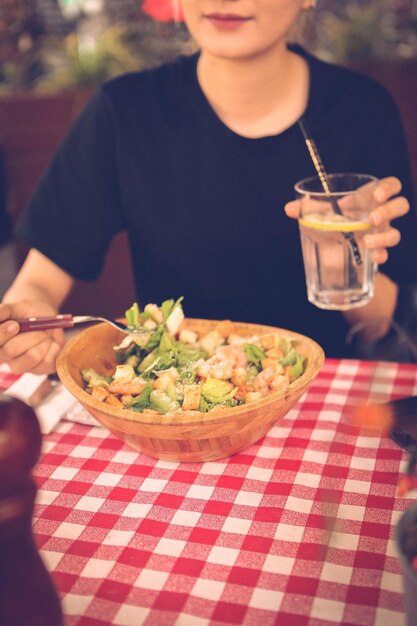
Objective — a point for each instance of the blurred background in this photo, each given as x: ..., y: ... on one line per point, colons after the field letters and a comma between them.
x: 53, y: 53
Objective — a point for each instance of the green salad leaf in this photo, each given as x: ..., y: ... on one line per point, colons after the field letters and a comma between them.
x: 254, y: 354
x: 141, y: 401
x: 132, y: 316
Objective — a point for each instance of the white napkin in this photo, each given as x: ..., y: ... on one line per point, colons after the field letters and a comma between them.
x: 77, y: 413
x: 56, y: 401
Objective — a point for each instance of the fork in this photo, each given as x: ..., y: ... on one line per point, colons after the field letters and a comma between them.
x: 66, y: 320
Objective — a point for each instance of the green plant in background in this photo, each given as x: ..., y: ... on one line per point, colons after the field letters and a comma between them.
x: 98, y: 39
x: 90, y: 41
x: 362, y: 31
x: 108, y: 40
x: 18, y: 30
x: 83, y: 60
x: 356, y: 35
x: 69, y: 63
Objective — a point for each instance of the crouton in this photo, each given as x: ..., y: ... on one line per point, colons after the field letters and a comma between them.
x: 253, y: 396
x: 100, y: 393
x: 192, y: 395
x: 188, y: 336
x: 211, y: 341
x: 168, y: 377
x: 275, y: 353
x: 113, y: 401
x: 269, y: 341
x: 155, y: 312
x: 226, y: 328
x: 268, y: 362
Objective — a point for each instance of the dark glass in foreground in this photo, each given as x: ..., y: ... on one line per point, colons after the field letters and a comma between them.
x: 27, y: 594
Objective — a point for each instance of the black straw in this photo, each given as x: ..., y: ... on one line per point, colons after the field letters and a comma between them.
x: 324, y: 179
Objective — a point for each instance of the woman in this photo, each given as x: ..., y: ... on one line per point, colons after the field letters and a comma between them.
x: 197, y: 159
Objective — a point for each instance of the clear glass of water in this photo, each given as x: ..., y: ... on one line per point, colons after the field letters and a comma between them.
x: 339, y: 270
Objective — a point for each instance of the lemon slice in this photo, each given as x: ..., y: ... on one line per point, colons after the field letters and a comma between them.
x: 334, y: 225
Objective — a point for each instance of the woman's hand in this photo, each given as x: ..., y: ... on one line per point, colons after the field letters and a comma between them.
x: 33, y: 352
x: 389, y: 208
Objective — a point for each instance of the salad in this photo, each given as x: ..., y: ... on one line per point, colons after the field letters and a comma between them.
x: 170, y: 368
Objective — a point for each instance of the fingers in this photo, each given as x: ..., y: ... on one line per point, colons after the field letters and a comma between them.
x: 379, y: 255
x: 383, y: 239
x: 380, y: 241
x: 397, y: 207
x: 30, y: 348
x: 32, y: 352
x: 8, y: 330
x: 47, y: 364
x: 390, y: 209
x: 8, y: 327
x: 8, y: 313
x: 386, y: 188
x: 292, y: 209
x: 39, y: 359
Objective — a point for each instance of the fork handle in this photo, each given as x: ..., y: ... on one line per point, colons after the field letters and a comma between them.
x: 45, y: 323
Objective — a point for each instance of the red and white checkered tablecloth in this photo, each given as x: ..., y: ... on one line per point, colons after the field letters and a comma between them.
x: 133, y: 541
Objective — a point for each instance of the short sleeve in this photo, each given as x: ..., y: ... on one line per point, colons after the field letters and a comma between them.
x: 76, y: 208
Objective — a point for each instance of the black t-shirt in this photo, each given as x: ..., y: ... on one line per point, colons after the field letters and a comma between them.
x: 204, y: 206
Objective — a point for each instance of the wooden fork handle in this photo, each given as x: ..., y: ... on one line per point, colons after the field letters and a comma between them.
x: 45, y: 323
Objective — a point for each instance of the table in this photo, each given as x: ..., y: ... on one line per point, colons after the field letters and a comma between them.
x: 135, y: 541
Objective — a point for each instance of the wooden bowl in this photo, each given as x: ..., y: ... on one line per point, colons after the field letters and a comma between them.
x: 189, y: 436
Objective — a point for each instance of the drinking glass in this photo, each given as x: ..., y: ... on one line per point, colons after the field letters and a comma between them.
x: 339, y: 270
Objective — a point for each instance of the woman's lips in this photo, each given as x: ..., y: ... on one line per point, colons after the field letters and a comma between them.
x: 227, y: 21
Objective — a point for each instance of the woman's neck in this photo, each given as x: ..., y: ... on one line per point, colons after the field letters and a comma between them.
x: 256, y: 97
